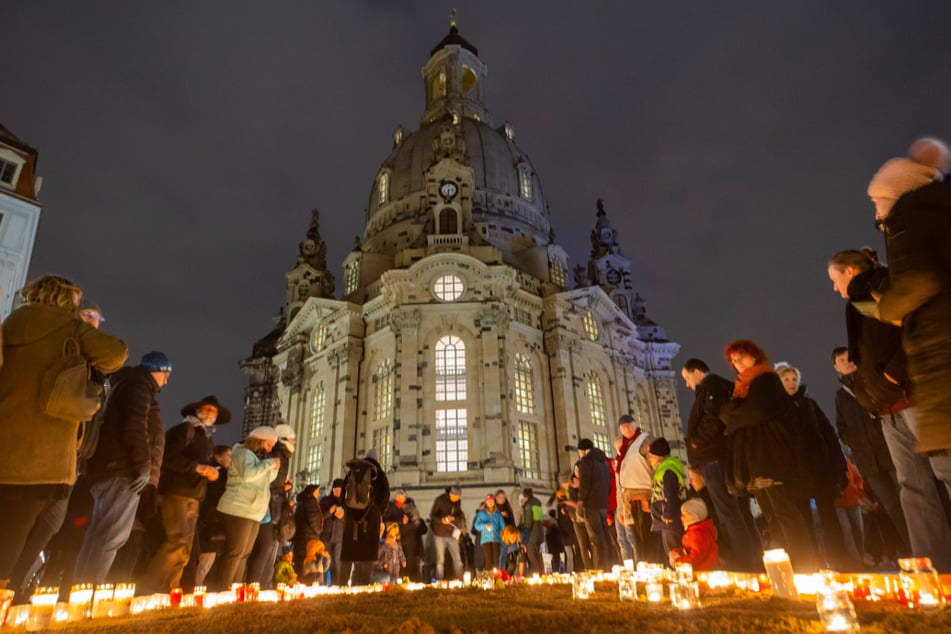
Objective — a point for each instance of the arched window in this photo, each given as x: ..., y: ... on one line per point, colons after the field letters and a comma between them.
x: 383, y: 392
x: 320, y: 337
x: 351, y: 277
x: 452, y: 437
x: 383, y: 443
x: 595, y: 399
x: 383, y: 188
x: 439, y: 85
x: 524, y: 385
x: 525, y: 181
x: 450, y: 369
x: 315, y: 446
x: 591, y: 326
x: 559, y: 274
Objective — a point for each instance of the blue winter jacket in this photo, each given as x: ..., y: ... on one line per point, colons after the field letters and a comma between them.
x: 489, y: 525
x: 248, y: 491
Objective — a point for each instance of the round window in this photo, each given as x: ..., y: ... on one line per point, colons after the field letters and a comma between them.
x: 448, y: 288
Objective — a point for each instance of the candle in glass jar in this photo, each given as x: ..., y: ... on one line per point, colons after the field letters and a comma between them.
x: 80, y: 602
x: 780, y: 572
x: 122, y: 599
x: 198, y: 595
x: 42, y: 607
x: 654, y: 591
x: 175, y: 597
x: 102, y: 600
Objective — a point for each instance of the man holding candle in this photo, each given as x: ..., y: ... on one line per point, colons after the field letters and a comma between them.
x: 186, y: 470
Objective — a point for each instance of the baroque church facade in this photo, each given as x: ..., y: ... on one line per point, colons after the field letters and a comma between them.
x: 459, y: 351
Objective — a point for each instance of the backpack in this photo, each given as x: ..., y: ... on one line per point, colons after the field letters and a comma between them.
x: 358, y: 487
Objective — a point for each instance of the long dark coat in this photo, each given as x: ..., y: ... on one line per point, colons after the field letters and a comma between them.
x: 763, y: 431
x: 918, y: 241
x: 361, y: 528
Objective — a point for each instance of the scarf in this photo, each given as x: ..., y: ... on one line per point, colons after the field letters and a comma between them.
x: 742, y: 386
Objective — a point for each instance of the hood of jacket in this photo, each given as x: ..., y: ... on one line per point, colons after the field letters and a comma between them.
x: 33, y: 322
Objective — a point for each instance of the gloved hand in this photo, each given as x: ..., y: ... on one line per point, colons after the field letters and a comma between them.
x: 140, y: 482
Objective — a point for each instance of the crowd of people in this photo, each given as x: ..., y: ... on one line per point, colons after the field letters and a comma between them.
x: 113, y: 495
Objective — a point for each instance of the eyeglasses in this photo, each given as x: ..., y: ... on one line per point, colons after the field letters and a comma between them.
x: 91, y: 314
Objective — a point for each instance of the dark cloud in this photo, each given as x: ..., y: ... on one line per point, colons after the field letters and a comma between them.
x: 183, y: 145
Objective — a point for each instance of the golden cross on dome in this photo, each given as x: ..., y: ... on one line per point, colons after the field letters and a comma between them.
x: 452, y: 18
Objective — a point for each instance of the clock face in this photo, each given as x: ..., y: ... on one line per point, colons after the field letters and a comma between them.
x: 614, y: 276
x: 448, y: 190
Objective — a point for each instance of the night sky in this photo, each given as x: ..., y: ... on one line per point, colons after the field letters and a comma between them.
x: 183, y: 145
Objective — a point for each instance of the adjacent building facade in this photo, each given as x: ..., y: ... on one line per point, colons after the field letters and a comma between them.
x: 459, y: 351
x: 19, y: 215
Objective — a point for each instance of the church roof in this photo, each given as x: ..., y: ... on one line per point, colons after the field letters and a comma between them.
x: 454, y: 39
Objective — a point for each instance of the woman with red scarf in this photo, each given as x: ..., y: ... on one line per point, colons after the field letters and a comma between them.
x: 761, y: 422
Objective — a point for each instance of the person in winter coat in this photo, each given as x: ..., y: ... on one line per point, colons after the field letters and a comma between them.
x: 699, y: 543
x: 505, y: 507
x: 361, y: 526
x: 308, y: 521
x: 762, y: 422
x: 186, y: 471
x: 42, y: 468
x: 448, y: 522
x: 827, y: 465
x: 633, y: 491
x: 594, y: 489
x: 531, y: 526
x: 883, y: 387
x: 668, y: 493
x: 278, y: 521
x: 488, y: 520
x: 402, y: 510
x: 913, y: 207
x: 390, y: 561
x: 126, y: 466
x: 245, y: 501
x: 708, y: 452
x: 584, y: 552
x: 331, y: 507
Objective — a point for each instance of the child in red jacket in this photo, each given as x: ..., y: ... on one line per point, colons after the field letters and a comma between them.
x: 699, y: 543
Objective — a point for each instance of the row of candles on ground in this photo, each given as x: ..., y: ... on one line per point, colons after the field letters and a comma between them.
x: 918, y: 586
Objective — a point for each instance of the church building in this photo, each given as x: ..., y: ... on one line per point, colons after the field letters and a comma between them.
x: 460, y: 351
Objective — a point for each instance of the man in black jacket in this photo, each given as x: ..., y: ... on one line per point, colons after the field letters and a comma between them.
x: 127, y: 460
x: 448, y: 522
x: 594, y: 491
x: 186, y: 471
x: 707, y: 452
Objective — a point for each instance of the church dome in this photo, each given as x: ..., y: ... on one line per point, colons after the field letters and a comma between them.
x: 502, y: 188
x: 495, y: 159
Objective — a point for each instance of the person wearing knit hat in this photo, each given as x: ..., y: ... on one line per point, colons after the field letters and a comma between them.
x: 659, y: 448
x: 331, y: 507
x: 698, y: 546
x: 917, y: 231
x: 693, y: 510
x: 668, y: 493
x: 245, y: 501
x: 489, y: 523
x: 281, y: 527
